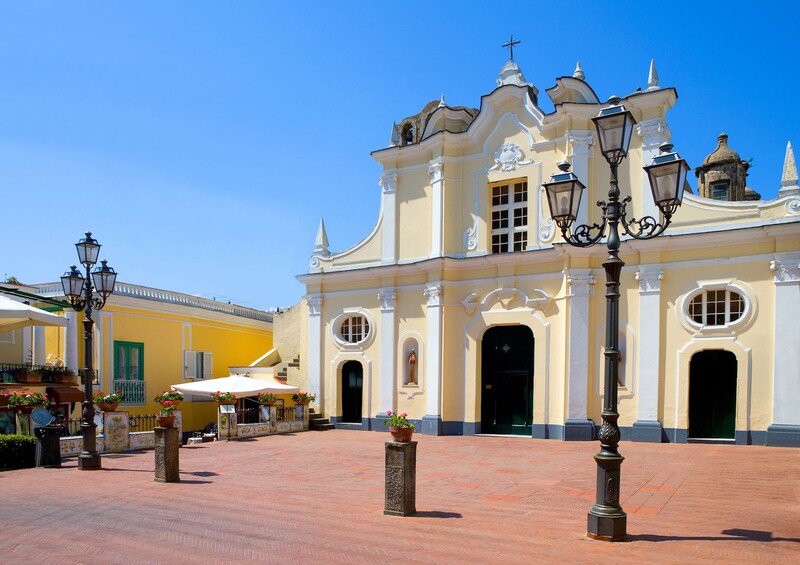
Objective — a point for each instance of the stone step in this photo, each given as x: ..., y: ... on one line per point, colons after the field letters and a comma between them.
x: 323, y: 427
x: 294, y: 364
x: 313, y: 416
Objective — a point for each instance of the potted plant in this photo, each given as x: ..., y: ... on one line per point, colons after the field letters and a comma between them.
x: 172, y: 395
x: 267, y: 399
x: 166, y: 418
x: 64, y: 375
x: 108, y: 402
x: 25, y: 402
x: 399, y: 426
x: 224, y: 397
x: 304, y: 398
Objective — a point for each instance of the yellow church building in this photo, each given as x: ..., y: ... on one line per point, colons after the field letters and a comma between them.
x: 465, y: 308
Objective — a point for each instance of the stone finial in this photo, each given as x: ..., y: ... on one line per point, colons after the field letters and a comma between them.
x: 652, y: 77
x: 578, y: 72
x: 789, y: 176
x: 394, y: 141
x: 321, y: 243
x: 442, y: 103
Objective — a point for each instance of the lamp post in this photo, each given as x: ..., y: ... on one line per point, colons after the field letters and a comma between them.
x: 667, y: 175
x: 87, y: 293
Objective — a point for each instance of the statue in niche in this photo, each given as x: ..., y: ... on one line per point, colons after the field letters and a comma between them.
x: 412, y: 368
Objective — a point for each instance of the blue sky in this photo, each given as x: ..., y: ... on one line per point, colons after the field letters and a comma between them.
x: 201, y: 142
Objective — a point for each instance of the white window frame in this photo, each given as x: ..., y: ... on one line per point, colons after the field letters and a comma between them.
x: 730, y: 326
x: 510, y: 208
x: 341, y: 341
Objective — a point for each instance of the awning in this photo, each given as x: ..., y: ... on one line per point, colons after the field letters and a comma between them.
x: 14, y: 315
x: 64, y: 394
x: 241, y: 386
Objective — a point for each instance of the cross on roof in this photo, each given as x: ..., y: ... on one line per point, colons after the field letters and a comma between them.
x: 511, y: 43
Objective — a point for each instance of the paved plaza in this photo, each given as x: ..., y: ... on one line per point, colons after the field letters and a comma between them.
x: 317, y: 497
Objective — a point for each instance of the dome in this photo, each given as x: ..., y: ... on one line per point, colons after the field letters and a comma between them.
x: 723, y: 153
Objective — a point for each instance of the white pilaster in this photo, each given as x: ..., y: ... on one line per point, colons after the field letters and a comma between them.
x: 71, y: 335
x: 387, y: 298
x: 786, y: 269
x: 436, y: 170
x: 388, y: 185
x: 27, y: 344
x: 580, y: 285
x: 39, y: 349
x: 580, y: 142
x: 653, y: 132
x: 647, y: 426
x: 433, y: 295
x: 314, y: 303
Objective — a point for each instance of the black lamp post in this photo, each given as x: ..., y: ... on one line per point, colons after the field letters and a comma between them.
x: 667, y: 175
x: 88, y: 293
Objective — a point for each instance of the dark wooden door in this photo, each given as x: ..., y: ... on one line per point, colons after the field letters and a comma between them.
x: 352, y: 392
x: 507, y: 381
x: 712, y: 395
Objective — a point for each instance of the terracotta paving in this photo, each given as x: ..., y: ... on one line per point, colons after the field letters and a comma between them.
x: 317, y: 497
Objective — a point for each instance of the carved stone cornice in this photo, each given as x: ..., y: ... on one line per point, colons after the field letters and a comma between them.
x: 580, y: 284
x: 388, y: 183
x: 314, y: 303
x: 653, y: 132
x: 433, y: 295
x: 436, y: 169
x: 649, y: 280
x: 388, y: 299
x: 786, y: 270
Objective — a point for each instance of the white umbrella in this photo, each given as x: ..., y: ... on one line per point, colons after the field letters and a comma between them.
x: 15, y: 315
x: 237, y: 384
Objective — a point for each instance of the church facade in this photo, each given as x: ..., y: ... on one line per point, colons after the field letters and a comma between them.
x: 465, y: 308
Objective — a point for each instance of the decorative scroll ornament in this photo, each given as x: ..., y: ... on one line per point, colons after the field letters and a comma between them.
x: 786, y: 270
x: 509, y: 158
x: 436, y: 169
x: 506, y: 297
x: 793, y: 206
x: 471, y: 235
x: 433, y: 294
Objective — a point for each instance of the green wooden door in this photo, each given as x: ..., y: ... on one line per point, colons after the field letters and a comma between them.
x: 352, y: 392
x: 712, y: 395
x: 507, y: 381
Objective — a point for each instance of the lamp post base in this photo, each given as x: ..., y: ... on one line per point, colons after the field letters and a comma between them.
x: 607, y: 527
x: 89, y: 461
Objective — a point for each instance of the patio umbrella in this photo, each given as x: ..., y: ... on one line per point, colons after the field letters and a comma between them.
x: 15, y: 315
x: 237, y: 384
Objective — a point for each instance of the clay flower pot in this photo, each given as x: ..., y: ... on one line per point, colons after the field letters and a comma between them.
x: 165, y: 421
x: 106, y: 407
x: 402, y: 435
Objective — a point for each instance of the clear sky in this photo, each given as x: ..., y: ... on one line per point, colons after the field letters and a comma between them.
x: 201, y: 142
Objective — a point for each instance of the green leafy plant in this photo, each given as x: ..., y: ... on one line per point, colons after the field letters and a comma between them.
x: 167, y: 407
x: 304, y: 397
x: 397, y: 420
x: 101, y: 397
x: 265, y: 397
x: 17, y: 451
x: 224, y: 396
x: 169, y: 395
x: 24, y: 398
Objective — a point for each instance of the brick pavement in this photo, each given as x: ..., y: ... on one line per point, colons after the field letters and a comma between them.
x: 317, y: 497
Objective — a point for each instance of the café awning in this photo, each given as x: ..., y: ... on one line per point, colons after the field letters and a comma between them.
x: 64, y: 394
x: 237, y: 384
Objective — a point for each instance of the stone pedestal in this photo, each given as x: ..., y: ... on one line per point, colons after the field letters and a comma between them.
x: 167, y: 442
x: 48, y: 448
x: 401, y: 478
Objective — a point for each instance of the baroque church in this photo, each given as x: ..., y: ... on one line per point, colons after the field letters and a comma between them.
x: 465, y: 308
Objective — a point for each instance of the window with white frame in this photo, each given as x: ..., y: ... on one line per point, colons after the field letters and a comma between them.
x: 719, y: 190
x: 509, y: 216
x: 354, y: 329
x: 198, y: 364
x: 718, y: 307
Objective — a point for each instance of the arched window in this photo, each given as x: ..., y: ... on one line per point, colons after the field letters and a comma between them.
x: 354, y: 329
x: 716, y: 307
x: 408, y: 134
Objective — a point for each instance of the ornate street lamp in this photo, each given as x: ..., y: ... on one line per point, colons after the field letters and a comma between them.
x: 81, y: 293
x: 667, y: 175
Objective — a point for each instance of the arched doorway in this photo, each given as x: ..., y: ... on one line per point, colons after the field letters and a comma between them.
x: 712, y: 395
x: 507, y: 380
x: 352, y: 392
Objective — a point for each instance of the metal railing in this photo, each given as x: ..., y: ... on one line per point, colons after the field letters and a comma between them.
x: 252, y: 415
x: 136, y: 423
x: 135, y: 391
